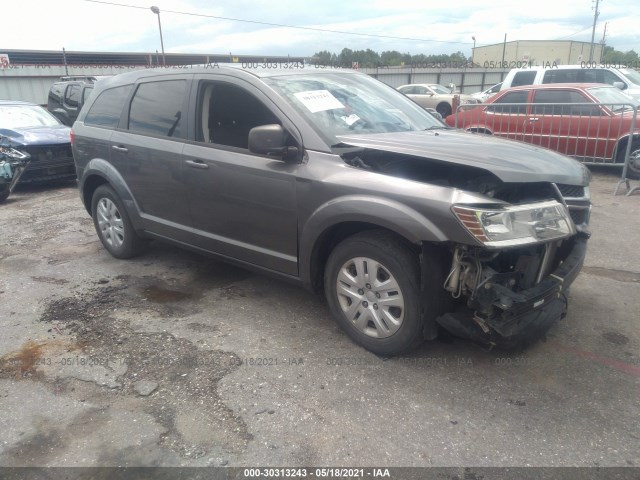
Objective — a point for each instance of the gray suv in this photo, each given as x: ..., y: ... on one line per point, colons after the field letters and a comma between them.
x: 335, y: 181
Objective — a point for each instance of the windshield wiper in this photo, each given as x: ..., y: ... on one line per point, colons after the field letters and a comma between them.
x: 437, y: 127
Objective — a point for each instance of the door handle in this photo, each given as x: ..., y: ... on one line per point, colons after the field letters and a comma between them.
x: 197, y: 164
x: 534, y: 119
x: 120, y: 148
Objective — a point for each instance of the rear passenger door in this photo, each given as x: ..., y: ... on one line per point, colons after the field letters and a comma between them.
x: 243, y: 205
x: 570, y: 123
x: 148, y: 144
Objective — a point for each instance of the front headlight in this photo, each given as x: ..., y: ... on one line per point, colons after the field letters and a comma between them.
x: 516, y: 224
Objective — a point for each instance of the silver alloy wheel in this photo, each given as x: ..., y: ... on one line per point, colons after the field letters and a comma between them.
x: 370, y: 297
x: 110, y: 222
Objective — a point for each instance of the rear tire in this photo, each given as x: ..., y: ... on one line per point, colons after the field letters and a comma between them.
x: 444, y: 109
x: 372, y: 285
x: 113, y: 225
x: 4, y: 195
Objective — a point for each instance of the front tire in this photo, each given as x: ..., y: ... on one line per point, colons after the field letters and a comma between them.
x: 113, y: 225
x: 372, y: 285
x: 633, y: 172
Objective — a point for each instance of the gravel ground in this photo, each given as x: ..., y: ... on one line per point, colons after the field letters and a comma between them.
x: 173, y: 359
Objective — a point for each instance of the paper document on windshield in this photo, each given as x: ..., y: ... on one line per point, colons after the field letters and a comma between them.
x: 318, y: 100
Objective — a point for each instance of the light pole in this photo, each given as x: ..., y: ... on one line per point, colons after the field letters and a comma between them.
x: 156, y: 10
x: 473, y: 52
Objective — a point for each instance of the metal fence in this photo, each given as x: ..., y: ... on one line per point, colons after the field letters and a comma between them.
x: 592, y: 133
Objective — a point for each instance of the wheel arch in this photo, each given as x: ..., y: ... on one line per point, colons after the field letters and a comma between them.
x: 100, y: 172
x: 622, y: 144
x: 339, y: 219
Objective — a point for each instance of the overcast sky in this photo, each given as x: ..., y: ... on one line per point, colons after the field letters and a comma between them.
x: 428, y: 26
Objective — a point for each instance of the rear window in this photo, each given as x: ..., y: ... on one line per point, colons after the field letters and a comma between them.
x: 106, y: 110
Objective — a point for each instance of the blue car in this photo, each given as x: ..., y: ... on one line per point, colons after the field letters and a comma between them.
x: 31, y: 129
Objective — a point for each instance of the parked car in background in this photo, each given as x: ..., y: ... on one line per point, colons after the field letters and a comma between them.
x: 334, y: 181
x: 67, y: 96
x: 30, y: 128
x: 432, y: 95
x: 626, y: 79
x: 567, y: 118
x: 489, y: 92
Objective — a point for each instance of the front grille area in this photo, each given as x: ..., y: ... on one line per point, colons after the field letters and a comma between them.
x: 579, y: 216
x: 49, y: 162
x: 573, y: 191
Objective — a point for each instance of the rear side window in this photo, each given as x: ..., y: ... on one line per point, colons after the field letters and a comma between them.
x: 511, y: 97
x: 156, y: 108
x: 523, y: 78
x: 548, y: 103
x: 106, y: 110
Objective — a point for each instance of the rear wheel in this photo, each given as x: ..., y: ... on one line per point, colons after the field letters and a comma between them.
x: 113, y: 225
x: 4, y: 195
x: 444, y: 109
x: 372, y: 285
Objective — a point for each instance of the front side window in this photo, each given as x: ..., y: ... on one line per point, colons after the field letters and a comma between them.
x: 72, y: 96
x: 156, y: 108
x: 106, y: 110
x: 512, y: 102
x: 227, y: 112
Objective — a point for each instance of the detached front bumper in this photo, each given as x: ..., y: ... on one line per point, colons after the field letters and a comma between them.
x: 527, y: 314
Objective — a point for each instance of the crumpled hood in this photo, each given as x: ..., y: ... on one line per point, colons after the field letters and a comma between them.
x: 55, y: 135
x: 508, y: 160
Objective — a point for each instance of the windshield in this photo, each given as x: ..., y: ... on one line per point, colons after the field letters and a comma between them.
x: 25, y: 116
x: 614, y: 98
x: 439, y: 89
x: 632, y: 75
x: 338, y: 104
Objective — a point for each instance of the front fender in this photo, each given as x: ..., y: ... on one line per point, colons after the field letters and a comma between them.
x: 100, y: 168
x: 381, y: 212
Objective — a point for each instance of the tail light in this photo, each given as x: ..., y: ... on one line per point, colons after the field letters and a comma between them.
x: 72, y: 137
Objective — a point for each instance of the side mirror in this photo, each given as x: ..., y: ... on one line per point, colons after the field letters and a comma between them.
x: 620, y: 85
x: 271, y: 140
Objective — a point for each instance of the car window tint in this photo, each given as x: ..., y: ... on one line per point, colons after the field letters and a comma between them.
x: 546, y: 102
x: 510, y: 98
x: 72, y: 95
x: 523, y: 78
x: 156, y: 108
x: 86, y: 92
x: 406, y: 90
x: 226, y: 113
x: 106, y: 110
x: 421, y: 91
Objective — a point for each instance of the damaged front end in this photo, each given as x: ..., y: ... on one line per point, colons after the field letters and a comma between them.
x: 513, y: 287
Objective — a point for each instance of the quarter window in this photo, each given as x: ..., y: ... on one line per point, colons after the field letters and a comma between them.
x: 106, y: 110
x: 156, y: 108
